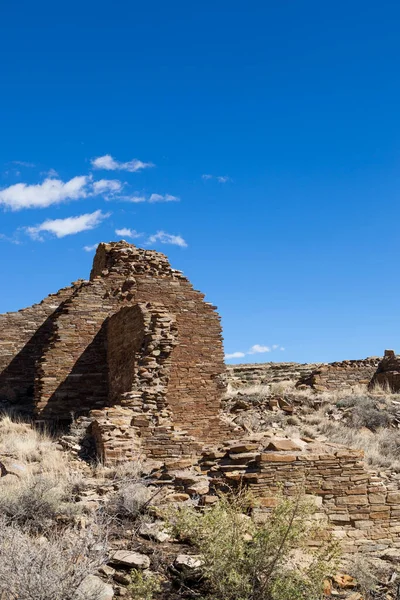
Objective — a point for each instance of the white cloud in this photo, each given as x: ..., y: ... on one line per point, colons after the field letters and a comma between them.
x: 109, y: 188
x: 130, y: 233
x: 106, y: 185
x: 219, y: 178
x: 167, y: 238
x: 163, y: 198
x: 69, y: 226
x: 257, y: 349
x: 90, y: 248
x: 54, y: 191
x: 108, y: 163
x: 235, y: 355
x: 50, y: 173
x: 135, y: 199
x: 41, y: 195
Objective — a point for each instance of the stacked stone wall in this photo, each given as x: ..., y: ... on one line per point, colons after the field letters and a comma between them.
x: 320, y: 376
x: 362, y: 508
x: 138, y: 336
x: 23, y: 335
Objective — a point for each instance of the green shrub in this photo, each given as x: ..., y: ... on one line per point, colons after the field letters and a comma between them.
x: 243, y: 561
x: 144, y: 587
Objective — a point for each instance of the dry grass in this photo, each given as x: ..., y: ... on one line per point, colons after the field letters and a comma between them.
x: 48, y: 568
x: 35, y: 448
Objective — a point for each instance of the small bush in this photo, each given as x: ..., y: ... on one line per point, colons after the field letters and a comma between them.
x: 242, y: 561
x: 38, y: 568
x: 144, y: 587
x: 130, y: 500
x: 365, y: 414
x: 36, y: 501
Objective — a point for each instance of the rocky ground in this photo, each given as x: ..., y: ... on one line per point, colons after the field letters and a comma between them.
x: 54, y: 495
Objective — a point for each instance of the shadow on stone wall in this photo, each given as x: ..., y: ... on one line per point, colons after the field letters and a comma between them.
x: 17, y: 380
x: 86, y: 386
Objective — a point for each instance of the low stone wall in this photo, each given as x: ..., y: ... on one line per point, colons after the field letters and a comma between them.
x: 320, y: 376
x: 362, y: 509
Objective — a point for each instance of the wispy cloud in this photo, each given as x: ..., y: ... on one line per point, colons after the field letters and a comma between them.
x: 219, y: 178
x: 108, y: 163
x: 55, y: 191
x: 235, y: 355
x: 136, y: 199
x: 69, y: 226
x: 109, y: 188
x: 90, y: 248
x: 163, y: 198
x: 130, y: 233
x: 23, y: 163
x: 167, y: 238
x: 256, y: 349
x: 50, y: 173
x: 41, y: 195
x: 153, y: 198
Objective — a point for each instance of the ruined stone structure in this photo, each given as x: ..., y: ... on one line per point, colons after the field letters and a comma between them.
x: 136, y: 347
x: 319, y: 376
x: 362, y: 508
x: 387, y: 374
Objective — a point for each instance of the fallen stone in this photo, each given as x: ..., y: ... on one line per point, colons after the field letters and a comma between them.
x: 94, y: 587
x: 187, y: 562
x: 282, y: 444
x: 132, y: 560
x: 177, y: 497
x: 154, y: 531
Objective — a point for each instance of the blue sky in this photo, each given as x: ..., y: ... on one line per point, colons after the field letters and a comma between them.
x: 289, y: 108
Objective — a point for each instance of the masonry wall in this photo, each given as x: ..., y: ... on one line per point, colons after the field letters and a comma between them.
x: 362, y: 508
x: 125, y: 337
x: 320, y: 376
x: 78, y: 366
x: 23, y: 335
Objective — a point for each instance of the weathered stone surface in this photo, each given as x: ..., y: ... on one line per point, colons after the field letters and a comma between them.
x: 388, y: 372
x: 121, y: 345
x: 283, y: 444
x: 187, y: 562
x: 132, y: 560
x: 328, y: 376
x: 94, y: 587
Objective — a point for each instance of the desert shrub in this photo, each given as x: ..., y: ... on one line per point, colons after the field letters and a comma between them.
x: 243, y: 561
x: 144, y: 587
x: 365, y: 414
x: 131, y: 500
x: 38, y: 568
x: 36, y: 501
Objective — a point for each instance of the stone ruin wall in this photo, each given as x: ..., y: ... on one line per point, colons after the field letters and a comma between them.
x: 139, y: 350
x: 387, y: 374
x: 66, y: 359
x: 362, y: 509
x: 320, y: 376
x: 23, y: 335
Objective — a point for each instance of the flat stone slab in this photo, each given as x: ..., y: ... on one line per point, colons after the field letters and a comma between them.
x: 283, y: 444
x: 132, y: 560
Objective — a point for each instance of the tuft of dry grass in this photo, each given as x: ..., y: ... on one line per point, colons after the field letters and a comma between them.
x: 49, y: 568
x: 22, y: 442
